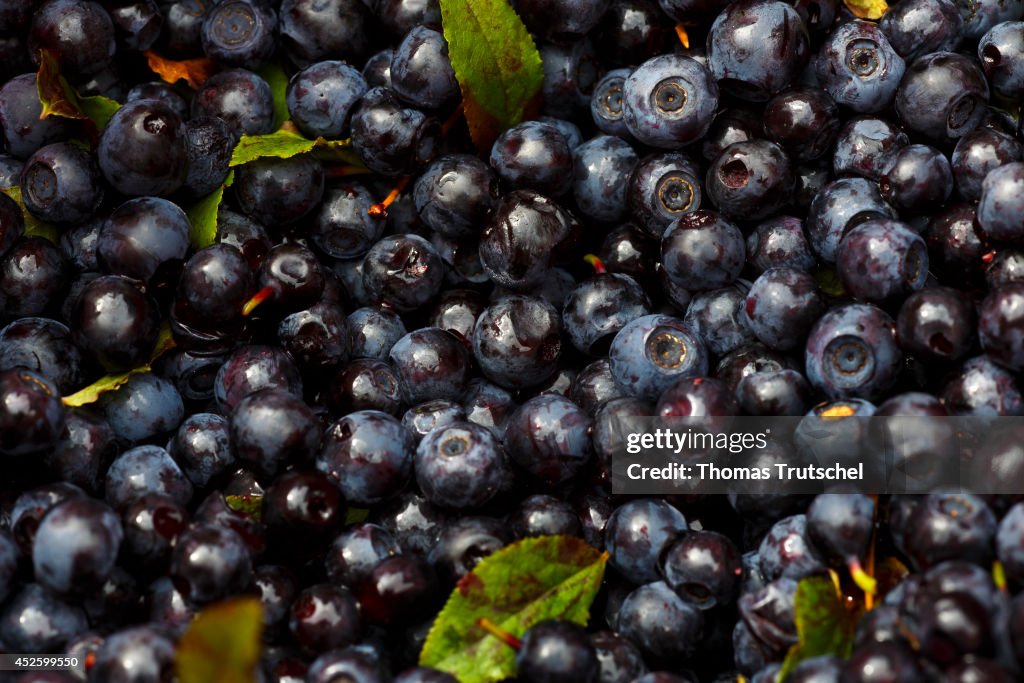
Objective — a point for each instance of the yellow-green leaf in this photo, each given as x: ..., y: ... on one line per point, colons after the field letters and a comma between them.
x: 548, y: 577
x: 222, y: 644
x: 824, y: 625
x: 33, y: 226
x: 286, y: 143
x: 60, y: 99
x: 828, y: 281
x: 111, y: 382
x: 867, y: 9
x: 277, y: 79
x: 202, y: 215
x: 496, y: 63
x: 247, y: 505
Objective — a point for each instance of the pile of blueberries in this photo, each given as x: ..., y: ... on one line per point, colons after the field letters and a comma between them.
x: 403, y: 362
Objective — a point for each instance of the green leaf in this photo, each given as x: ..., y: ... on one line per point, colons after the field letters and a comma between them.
x: 357, y: 515
x: 867, y: 9
x: 33, y: 226
x: 112, y: 382
x: 548, y: 577
x: 222, y: 644
x: 203, y: 215
x: 247, y: 505
x: 60, y: 99
x: 496, y: 63
x: 829, y: 282
x: 824, y: 625
x: 286, y: 143
x: 277, y: 79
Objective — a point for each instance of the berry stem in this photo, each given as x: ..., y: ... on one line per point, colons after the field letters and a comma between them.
x: 597, y: 263
x: 499, y: 633
x: 257, y: 298
x: 380, y: 209
x: 684, y: 37
x: 999, y: 576
x: 864, y: 581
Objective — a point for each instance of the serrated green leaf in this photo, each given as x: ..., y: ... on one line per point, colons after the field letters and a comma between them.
x: 277, y: 79
x: 33, y: 226
x: 824, y: 625
x: 867, y: 9
x: 828, y: 281
x: 203, y: 215
x: 247, y: 505
x: 60, y: 99
x: 286, y: 143
x: 222, y: 644
x: 548, y: 577
x: 496, y: 63
x: 114, y: 381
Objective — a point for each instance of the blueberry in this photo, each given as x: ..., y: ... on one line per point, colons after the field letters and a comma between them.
x: 570, y: 73
x: 455, y: 194
x: 142, y: 470
x: 314, y: 30
x: 977, y: 154
x: 669, y: 101
x: 138, y: 653
x: 143, y: 149
x: 880, y: 259
x: 279, y: 191
x: 76, y: 546
x: 598, y: 308
x: 838, y: 207
x: 980, y: 387
x: 273, y: 427
x: 33, y: 418
x: 79, y: 34
x: 239, y: 32
x: 782, y: 305
x: 369, y: 455
x: 750, y: 180
x: 1000, y: 325
x: 649, y: 354
x: 1001, y: 200
x: 373, y: 331
x: 209, y: 144
x: 61, y: 183
x: 143, y: 407
x: 517, y: 342
x: 420, y: 71
x: 919, y: 178
x: 212, y: 562
x: 660, y: 622
x: 717, y: 317
x: 981, y: 15
x: 34, y: 621
x: 389, y: 138
x: 606, y: 104
x: 703, y: 568
x: 636, y: 535
x: 804, y: 121
x: 703, y: 250
x: 557, y: 652
x: 779, y: 242
x: 774, y: 392
x: 24, y: 128
x: 549, y: 437
x: 533, y: 155
x: 852, y: 352
x: 324, y: 617
x: 936, y: 324
x: 619, y: 660
x: 542, y: 515
x: 241, y: 98
x: 43, y: 346
x: 1001, y: 52
x: 942, y: 96
x: 142, y: 237
x: 663, y: 187
x: 403, y: 271
x: 859, y: 68
x: 920, y: 27
x: 252, y: 368
x: 603, y: 166
x: 866, y: 146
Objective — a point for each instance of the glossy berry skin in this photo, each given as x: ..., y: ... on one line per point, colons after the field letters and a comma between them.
x: 921, y: 27
x: 369, y: 455
x: 533, y: 155
x: 460, y: 465
x: 400, y: 589
x: 750, y: 180
x: 859, y: 68
x: 982, y: 16
x: 1004, y: 269
x: 1001, y: 325
x: 866, y: 146
x: 313, y: 31
x: 549, y: 437
x: 636, y: 535
x: 141, y: 236
x: 570, y: 74
x: 1001, y: 52
x: 786, y: 551
x: 115, y: 322
x: 209, y: 143
x: 557, y: 652
x: 43, y: 346
x: 804, y: 121
x: 426, y: 417
x: 320, y: 98
x: 1010, y: 542
x: 463, y: 542
x: 239, y: 32
x: 661, y: 623
x: 61, y: 183
x: 839, y: 207
x: 781, y: 307
x: 356, y: 551
x: 779, y: 242
x: 356, y: 663
x: 294, y: 276
x: 366, y: 384
x: 373, y: 331
x: 619, y: 660
x: 79, y: 33
x: 703, y: 568
x: 979, y: 152
x: 301, y: 509
x: 241, y: 98
x: 421, y: 73
x: 703, y: 250
x: 252, y: 368
x: 779, y: 392
x: 981, y: 387
x: 919, y: 178
x: 33, y: 275
x: 1001, y: 200
x: 517, y: 342
x: 455, y: 194
x: 669, y: 101
x: 852, y: 352
x: 324, y: 617
x: 541, y: 515
x: 947, y: 526
x: 840, y: 525
x: 942, y: 96
x: 936, y: 324
x: 561, y: 22
x: 390, y: 138
x: 317, y: 338
x: 202, y: 448
x: 34, y: 416
x: 606, y: 106
x: 76, y: 546
x: 404, y: 271
x: 35, y: 621
x: 279, y: 191
x: 272, y: 427
x: 144, y: 407
x: 20, y: 115
x: 716, y: 316
x: 880, y: 259
x: 216, y: 282
x: 431, y: 364
x: 756, y: 48
x: 603, y: 166
x: 654, y: 351
x: 520, y: 238
x: 143, y: 149
x: 663, y: 187
x: 142, y: 470
x: 212, y: 562
x: 598, y: 308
